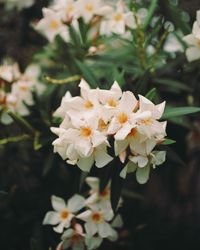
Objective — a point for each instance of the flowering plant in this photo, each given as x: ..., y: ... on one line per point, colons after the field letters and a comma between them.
x: 108, y: 83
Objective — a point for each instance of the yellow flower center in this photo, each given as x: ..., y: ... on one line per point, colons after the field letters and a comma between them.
x: 111, y: 102
x: 89, y: 7
x: 24, y: 87
x: 133, y: 132
x: 102, y: 125
x: 86, y: 131
x: 122, y: 118
x: 88, y: 104
x: 198, y: 43
x: 54, y: 24
x: 105, y: 193
x: 118, y: 17
x: 97, y: 217
x: 148, y: 121
x: 64, y: 215
x: 69, y: 8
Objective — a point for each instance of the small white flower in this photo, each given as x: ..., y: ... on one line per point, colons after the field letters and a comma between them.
x: 19, y: 4
x: 61, y: 111
x: 73, y: 238
x: 9, y: 72
x: 87, y: 9
x: 146, y: 118
x: 122, y: 123
x: 193, y: 40
x: 95, y: 194
x: 51, y: 25
x: 118, y: 21
x: 97, y: 222
x: 63, y: 213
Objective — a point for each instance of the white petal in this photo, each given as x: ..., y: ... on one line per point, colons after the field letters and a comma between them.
x: 140, y: 160
x: 85, y: 164
x: 193, y: 54
x: 120, y: 146
x: 75, y: 203
x: 128, y: 102
x: 93, y: 182
x: 51, y: 218
x: 91, y: 228
x: 102, y: 158
x: 58, y: 203
x: 104, y: 230
x: 59, y: 228
x: 142, y: 174
x: 98, y: 139
x: 129, y: 168
x: 123, y: 132
x: 117, y: 222
x: 85, y: 215
x: 93, y: 242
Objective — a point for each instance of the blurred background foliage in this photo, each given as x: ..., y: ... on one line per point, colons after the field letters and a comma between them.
x: 162, y: 214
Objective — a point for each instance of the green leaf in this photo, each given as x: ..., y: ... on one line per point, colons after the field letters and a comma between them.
x: 180, y: 111
x: 168, y: 142
x: 151, y: 94
x: 172, y: 84
x: 86, y: 73
x: 151, y: 10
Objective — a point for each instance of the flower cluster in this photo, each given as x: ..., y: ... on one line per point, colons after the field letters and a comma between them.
x: 18, y: 4
x: 101, y: 119
x: 84, y: 222
x: 16, y: 88
x: 103, y: 19
x: 193, y: 40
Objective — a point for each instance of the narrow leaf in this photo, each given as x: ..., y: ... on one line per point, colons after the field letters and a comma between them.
x: 180, y: 111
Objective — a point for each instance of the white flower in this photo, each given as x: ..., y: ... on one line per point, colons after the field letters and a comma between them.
x: 193, y: 40
x: 67, y: 9
x: 19, y: 4
x: 85, y: 105
x: 87, y: 9
x: 138, y: 143
x: 99, y: 156
x: 118, y: 21
x: 9, y: 72
x: 63, y: 213
x: 73, y: 238
x: 95, y: 194
x: 172, y: 44
x: 51, y: 25
x: 97, y: 221
x: 61, y: 111
x: 146, y: 118
x: 122, y: 123
x: 142, y: 163
x: 76, y: 239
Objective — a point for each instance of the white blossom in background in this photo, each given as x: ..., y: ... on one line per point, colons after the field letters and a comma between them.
x: 172, y: 44
x: 193, y: 41
x: 20, y: 87
x: 51, y: 25
x: 63, y: 213
x: 18, y: 4
x: 118, y: 20
x: 9, y: 72
x: 91, y: 121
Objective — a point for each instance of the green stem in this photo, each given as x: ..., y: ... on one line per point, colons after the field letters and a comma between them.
x: 14, y: 139
x: 151, y: 11
x: 141, y: 44
x: 62, y: 81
